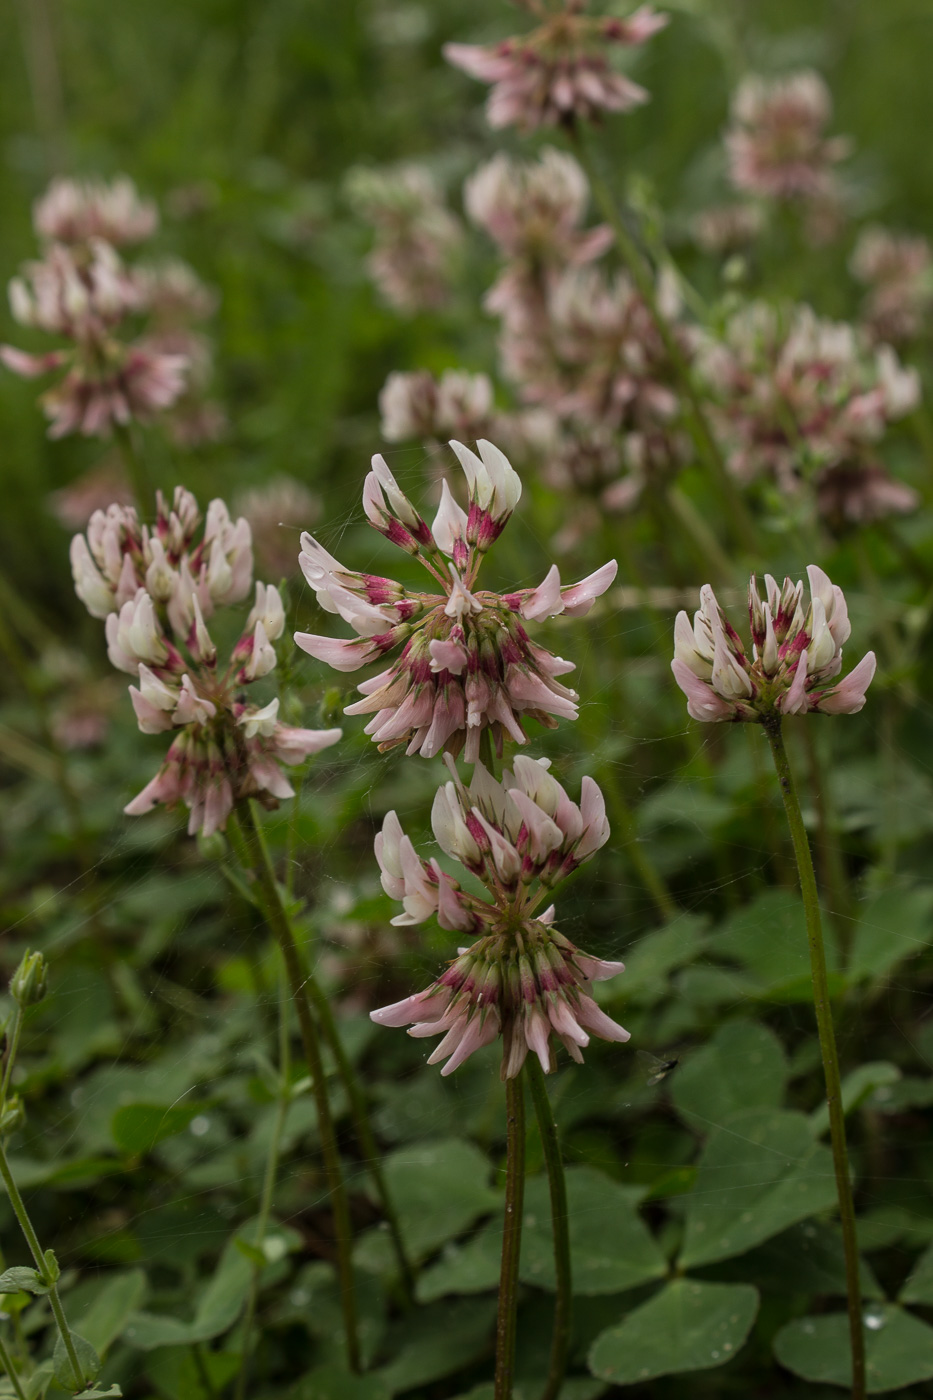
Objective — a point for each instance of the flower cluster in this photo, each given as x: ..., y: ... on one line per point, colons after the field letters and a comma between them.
x: 129, y: 355
x: 416, y: 236
x: 898, y: 272
x: 416, y: 405
x: 559, y: 73
x: 464, y: 663
x: 521, y: 979
x: 776, y: 143
x: 795, y: 655
x: 156, y: 588
x: 794, y: 393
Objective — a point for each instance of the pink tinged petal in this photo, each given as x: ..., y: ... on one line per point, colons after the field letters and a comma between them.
x: 595, y: 822
x: 527, y: 691
x: 292, y: 745
x: 337, y: 653
x: 848, y: 697
x: 164, y: 787
x: 597, y: 969
x: 544, y: 834
x: 218, y: 805
x: 702, y: 701
x: 269, y: 777
x: 545, y: 600
x: 794, y: 701
x: 150, y: 718
x: 31, y: 366
x: 594, y: 1019
x: 506, y: 859
x: 537, y: 1035
x: 564, y: 1022
x: 450, y: 522
x: 429, y: 1005
x: 481, y: 1031
x: 451, y: 914
x: 447, y: 656
x: 579, y: 598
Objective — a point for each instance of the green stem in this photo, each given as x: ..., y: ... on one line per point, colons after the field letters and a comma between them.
x: 135, y: 466
x: 560, y: 1225
x: 12, y: 1048
x: 10, y: 1370
x: 257, y: 860
x: 35, y: 1249
x: 364, y: 1132
x: 268, y: 1184
x: 506, y: 1320
x: 831, y: 865
x: 824, y: 1023
x: 641, y: 274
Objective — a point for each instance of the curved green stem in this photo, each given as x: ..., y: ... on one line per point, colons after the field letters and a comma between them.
x: 560, y: 1225
x: 627, y: 822
x: 7, y: 1364
x: 257, y: 860
x: 824, y: 1022
x: 12, y: 1048
x: 506, y: 1320
x: 641, y: 275
x: 42, y: 1266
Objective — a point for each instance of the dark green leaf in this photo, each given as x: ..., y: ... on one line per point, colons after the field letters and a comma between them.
x: 743, y: 1066
x: 105, y: 1319
x: 757, y: 1176
x: 688, y: 1326
x: 898, y: 1348
x: 893, y: 925
x: 437, y: 1340
x: 439, y: 1189
x: 22, y: 1280
x: 768, y: 939
x: 919, y: 1285
x: 221, y: 1302
x: 87, y: 1358
x: 139, y: 1127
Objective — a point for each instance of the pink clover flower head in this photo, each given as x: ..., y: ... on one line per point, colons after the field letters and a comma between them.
x: 416, y: 405
x: 77, y: 211
x: 463, y: 662
x: 177, y: 559
x: 155, y: 587
x: 417, y: 239
x: 897, y: 269
x: 534, y: 210
x: 776, y: 142
x: 521, y: 978
x: 791, y: 666
x: 83, y: 296
x: 794, y: 393
x: 559, y: 73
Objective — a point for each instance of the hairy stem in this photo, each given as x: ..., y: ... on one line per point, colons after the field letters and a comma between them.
x: 511, y: 1236
x: 267, y: 891
x: 827, y: 1036
x: 560, y: 1225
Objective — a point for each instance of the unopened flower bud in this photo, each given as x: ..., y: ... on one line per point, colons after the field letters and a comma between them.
x: 30, y: 980
x: 12, y: 1115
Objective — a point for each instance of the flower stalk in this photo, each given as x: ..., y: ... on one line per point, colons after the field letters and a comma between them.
x: 828, y: 1051
x: 251, y: 847
x: 506, y: 1319
x: 560, y: 1226
x: 7, y: 1364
